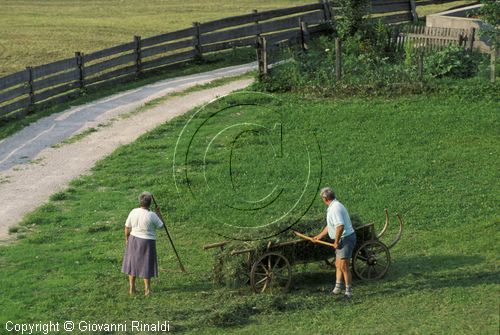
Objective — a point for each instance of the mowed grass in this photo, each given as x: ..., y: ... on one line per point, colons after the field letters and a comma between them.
x: 39, y: 32
x: 431, y: 158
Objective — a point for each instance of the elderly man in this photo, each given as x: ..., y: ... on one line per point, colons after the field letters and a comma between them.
x: 339, y: 228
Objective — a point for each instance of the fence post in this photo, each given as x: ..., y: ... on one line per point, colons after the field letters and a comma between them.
x: 326, y: 10
x: 462, y: 41
x: 256, y: 23
x: 137, y: 51
x: 338, y: 59
x: 420, y: 61
x: 196, y: 41
x: 472, y: 37
x: 79, y: 64
x: 262, y: 56
x: 493, y: 63
x: 31, y: 93
x: 304, y: 35
x: 414, y: 14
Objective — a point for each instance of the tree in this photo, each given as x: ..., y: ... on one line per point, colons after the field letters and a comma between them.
x: 490, y: 13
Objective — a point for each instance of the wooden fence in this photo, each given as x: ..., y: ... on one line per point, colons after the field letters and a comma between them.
x: 430, y: 39
x: 38, y: 87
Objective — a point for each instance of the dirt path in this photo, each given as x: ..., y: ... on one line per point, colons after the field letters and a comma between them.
x: 25, y: 186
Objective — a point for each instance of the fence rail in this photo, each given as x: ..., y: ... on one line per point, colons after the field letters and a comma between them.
x: 429, y: 39
x: 37, y: 87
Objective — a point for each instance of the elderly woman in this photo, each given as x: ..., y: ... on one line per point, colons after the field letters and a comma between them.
x: 140, y: 244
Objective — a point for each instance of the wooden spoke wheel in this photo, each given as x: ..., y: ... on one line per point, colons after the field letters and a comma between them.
x: 271, y: 272
x: 371, y: 260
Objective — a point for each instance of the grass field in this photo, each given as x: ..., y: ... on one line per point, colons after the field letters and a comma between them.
x: 38, y: 32
x: 431, y: 158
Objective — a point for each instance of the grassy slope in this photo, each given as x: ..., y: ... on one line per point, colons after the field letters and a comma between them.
x: 430, y: 158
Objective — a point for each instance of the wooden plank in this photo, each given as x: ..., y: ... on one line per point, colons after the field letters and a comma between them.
x: 14, y: 115
x: 375, y: 3
x: 55, y: 67
x: 108, y: 52
x: 322, y: 27
x: 14, y: 93
x: 261, y: 28
x: 395, y: 7
x: 166, y: 47
x: 51, y: 92
x: 435, y: 2
x: 249, y: 41
x: 112, y: 82
x: 56, y: 80
x: 286, y: 35
x: 436, y: 37
x: 92, y: 69
x: 396, y: 18
x: 338, y: 59
x: 230, y: 34
x: 13, y: 79
x: 57, y: 100
x: 111, y: 74
x: 21, y: 103
x: 292, y: 22
x: 259, y: 16
x: 171, y: 36
x: 413, y: 10
x: 179, y: 57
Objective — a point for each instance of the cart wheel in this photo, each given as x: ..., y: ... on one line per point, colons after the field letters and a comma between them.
x: 271, y: 272
x: 371, y: 260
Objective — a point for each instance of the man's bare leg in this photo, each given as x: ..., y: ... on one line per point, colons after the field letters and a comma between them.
x: 346, y: 273
x: 338, y: 276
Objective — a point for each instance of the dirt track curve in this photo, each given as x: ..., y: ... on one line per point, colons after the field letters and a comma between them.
x: 31, y: 168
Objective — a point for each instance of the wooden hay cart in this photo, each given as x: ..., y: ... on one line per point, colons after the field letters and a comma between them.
x: 271, y: 269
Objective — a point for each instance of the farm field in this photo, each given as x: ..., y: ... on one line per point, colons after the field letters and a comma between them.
x: 430, y: 158
x: 39, y: 32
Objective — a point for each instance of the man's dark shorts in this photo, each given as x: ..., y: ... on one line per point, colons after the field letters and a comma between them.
x: 346, y: 246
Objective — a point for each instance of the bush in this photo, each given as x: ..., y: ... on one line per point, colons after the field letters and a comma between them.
x: 490, y: 13
x: 367, y: 66
x: 452, y: 62
x: 351, y: 20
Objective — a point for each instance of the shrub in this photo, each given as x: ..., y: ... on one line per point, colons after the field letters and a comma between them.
x: 452, y: 62
x: 352, y: 17
x: 490, y: 13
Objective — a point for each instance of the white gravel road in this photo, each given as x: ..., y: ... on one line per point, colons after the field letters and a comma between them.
x: 31, y: 168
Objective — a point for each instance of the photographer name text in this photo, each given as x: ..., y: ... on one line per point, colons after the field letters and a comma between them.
x: 86, y: 327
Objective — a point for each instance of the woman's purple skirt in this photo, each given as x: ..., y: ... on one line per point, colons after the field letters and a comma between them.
x: 140, y: 258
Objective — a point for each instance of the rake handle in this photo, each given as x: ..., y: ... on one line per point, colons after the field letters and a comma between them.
x: 168, y: 234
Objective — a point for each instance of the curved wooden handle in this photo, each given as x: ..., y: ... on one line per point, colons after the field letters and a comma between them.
x: 385, y: 225
x: 400, y: 233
